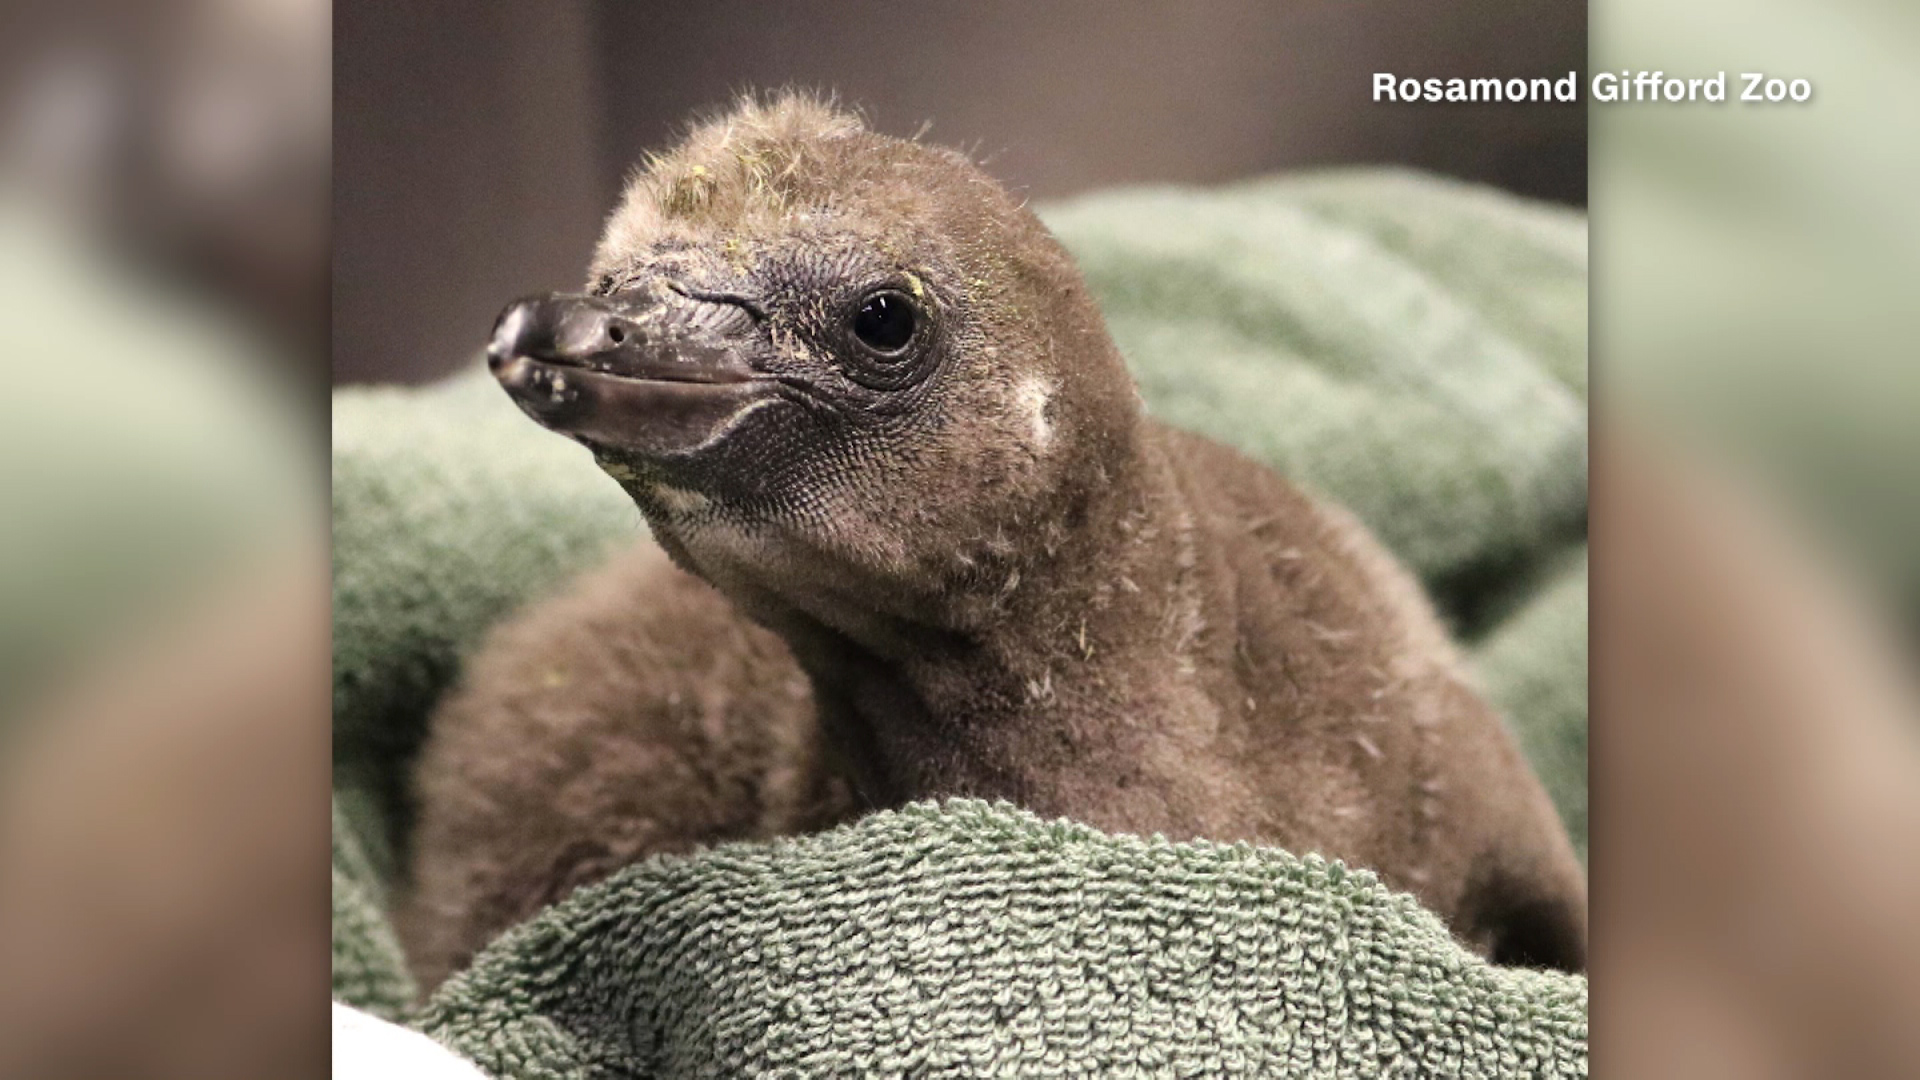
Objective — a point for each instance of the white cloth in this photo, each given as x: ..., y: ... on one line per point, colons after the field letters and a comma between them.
x: 366, y: 1047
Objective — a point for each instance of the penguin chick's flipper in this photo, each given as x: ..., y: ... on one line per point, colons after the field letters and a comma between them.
x: 858, y: 387
x: 635, y: 713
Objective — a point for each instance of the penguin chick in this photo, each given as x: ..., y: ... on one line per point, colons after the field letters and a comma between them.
x: 860, y: 389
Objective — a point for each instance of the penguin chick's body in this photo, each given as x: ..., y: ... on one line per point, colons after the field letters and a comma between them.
x: 861, y: 391
x: 634, y: 713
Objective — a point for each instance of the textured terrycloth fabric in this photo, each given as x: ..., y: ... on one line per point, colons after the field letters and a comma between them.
x: 1415, y: 348
x: 977, y: 940
x: 449, y: 510
x: 1534, y: 668
x: 1411, y: 347
x: 368, y: 967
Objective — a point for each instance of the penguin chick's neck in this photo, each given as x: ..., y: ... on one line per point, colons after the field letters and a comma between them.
x: 1041, y: 669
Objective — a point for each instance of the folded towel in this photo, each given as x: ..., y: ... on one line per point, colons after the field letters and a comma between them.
x: 969, y: 939
x: 368, y: 967
x: 1534, y: 669
x: 1414, y: 348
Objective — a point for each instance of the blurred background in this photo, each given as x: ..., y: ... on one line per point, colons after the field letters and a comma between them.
x: 1755, y: 510
x: 476, y: 157
x: 164, y: 261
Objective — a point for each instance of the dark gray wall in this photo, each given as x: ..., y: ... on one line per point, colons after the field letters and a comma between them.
x: 478, y: 145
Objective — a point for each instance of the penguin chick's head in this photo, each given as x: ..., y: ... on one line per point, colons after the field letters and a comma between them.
x: 812, y: 352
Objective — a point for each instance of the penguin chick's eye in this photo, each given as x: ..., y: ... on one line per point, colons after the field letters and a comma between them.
x: 885, y: 322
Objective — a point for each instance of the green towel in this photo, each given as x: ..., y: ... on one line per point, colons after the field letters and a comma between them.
x: 368, y: 967
x: 1414, y: 348
x: 970, y: 939
x: 450, y: 509
x: 1411, y: 347
x: 1534, y: 669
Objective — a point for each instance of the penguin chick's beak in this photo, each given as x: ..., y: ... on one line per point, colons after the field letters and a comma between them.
x: 660, y: 378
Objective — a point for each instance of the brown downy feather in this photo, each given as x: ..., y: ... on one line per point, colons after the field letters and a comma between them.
x: 635, y: 713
